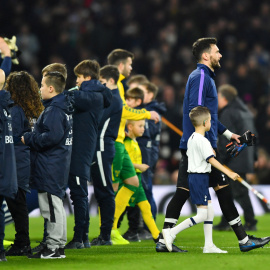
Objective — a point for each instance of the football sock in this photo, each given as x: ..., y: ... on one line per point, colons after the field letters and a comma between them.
x: 208, y: 226
x: 189, y: 222
x: 148, y: 218
x: 230, y: 212
x: 174, y: 207
x: 121, y: 201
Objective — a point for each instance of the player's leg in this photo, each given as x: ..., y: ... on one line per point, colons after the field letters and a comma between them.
x: 176, y: 203
x: 198, y: 184
x: 224, y: 194
x: 241, y: 195
x: 101, y: 173
x: 209, y: 246
x: 2, y: 230
x: 145, y: 208
x: 51, y: 209
x: 19, y: 212
x: 79, y: 197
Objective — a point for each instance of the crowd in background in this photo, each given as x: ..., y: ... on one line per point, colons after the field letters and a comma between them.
x: 160, y: 33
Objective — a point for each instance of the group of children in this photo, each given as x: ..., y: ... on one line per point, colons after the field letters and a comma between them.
x: 90, y: 133
x: 65, y: 141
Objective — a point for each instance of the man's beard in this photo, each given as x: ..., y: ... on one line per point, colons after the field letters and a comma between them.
x: 215, y: 64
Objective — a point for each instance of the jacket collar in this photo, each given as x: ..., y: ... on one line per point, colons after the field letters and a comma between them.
x: 206, y: 69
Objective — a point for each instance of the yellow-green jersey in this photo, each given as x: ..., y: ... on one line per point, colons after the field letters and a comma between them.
x: 134, y: 152
x: 127, y: 112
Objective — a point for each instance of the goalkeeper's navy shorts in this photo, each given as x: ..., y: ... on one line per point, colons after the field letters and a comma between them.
x: 216, y: 177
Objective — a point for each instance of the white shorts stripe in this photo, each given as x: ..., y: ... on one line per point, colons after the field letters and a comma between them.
x: 100, y: 165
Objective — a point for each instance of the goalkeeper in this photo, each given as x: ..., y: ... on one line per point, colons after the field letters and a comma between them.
x: 236, y: 116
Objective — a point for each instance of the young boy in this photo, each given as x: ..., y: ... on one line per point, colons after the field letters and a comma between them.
x: 136, y: 129
x: 101, y: 170
x: 32, y: 198
x: 89, y: 103
x: 200, y: 158
x: 134, y: 99
x: 52, y: 142
x: 150, y: 92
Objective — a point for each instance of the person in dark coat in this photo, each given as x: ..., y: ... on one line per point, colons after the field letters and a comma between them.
x: 51, y: 140
x: 236, y: 116
x: 27, y: 108
x: 101, y: 170
x: 89, y: 103
x: 8, y: 175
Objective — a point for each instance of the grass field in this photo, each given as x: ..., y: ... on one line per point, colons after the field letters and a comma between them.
x: 139, y: 256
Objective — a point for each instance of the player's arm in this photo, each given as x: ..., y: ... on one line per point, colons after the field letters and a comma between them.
x: 2, y: 78
x: 141, y: 167
x: 133, y: 114
x: 220, y: 167
x: 6, y: 63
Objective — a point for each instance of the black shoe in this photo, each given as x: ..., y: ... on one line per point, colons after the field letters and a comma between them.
x: 250, y: 227
x: 145, y: 235
x: 62, y: 253
x: 14, y: 250
x: 157, y: 239
x: 86, y: 244
x: 131, y: 236
x: 46, y: 253
x: 40, y: 247
x: 99, y: 241
x: 74, y: 245
x: 2, y: 256
x: 222, y: 227
x: 253, y: 243
x: 160, y: 247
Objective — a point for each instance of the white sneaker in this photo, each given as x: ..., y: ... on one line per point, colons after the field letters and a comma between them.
x: 168, y: 238
x: 213, y: 249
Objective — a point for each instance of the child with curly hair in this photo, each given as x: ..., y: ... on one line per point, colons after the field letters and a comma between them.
x: 27, y: 107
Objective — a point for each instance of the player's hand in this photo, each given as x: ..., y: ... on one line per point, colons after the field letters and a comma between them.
x: 249, y: 138
x: 22, y: 140
x: 155, y: 116
x: 4, y: 48
x: 234, y: 149
x: 233, y: 176
x: 235, y: 137
x: 13, y: 49
x: 143, y: 167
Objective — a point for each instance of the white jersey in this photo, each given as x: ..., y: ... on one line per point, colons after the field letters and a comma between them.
x: 199, y: 150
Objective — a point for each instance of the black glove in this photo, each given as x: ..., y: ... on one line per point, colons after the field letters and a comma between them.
x: 234, y: 149
x: 249, y: 138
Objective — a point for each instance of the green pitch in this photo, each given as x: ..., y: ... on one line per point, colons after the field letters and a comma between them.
x: 140, y: 256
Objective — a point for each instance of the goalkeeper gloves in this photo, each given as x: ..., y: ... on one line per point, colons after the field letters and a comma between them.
x: 15, y: 52
x: 247, y: 139
x: 234, y: 149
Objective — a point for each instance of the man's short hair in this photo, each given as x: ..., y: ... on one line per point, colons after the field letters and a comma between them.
x: 108, y: 72
x: 139, y: 79
x: 55, y: 79
x: 88, y: 68
x: 199, y: 114
x: 136, y: 93
x: 56, y: 67
x: 151, y: 88
x: 202, y: 45
x: 119, y: 55
x: 228, y: 91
